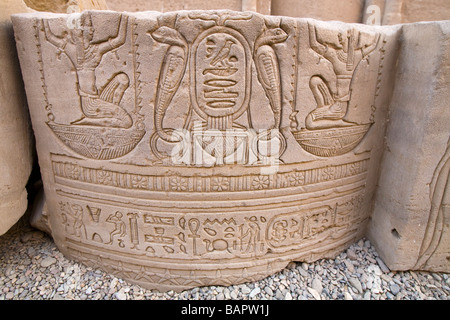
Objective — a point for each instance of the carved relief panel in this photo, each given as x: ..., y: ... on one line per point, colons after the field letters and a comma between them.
x: 170, y: 143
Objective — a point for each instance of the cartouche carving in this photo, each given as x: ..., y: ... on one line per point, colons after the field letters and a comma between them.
x: 220, y: 65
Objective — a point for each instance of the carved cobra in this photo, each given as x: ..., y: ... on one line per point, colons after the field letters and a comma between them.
x: 268, y: 69
x: 172, y: 71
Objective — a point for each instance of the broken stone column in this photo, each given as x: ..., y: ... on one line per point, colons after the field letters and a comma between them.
x: 16, y: 142
x: 196, y: 148
x: 410, y: 221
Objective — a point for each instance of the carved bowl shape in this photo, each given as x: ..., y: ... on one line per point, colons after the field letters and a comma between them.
x: 222, y: 144
x: 331, y: 142
x: 97, y: 142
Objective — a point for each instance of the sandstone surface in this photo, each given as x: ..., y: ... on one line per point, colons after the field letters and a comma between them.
x: 195, y: 148
x: 410, y: 221
x: 16, y: 142
x: 17, y: 150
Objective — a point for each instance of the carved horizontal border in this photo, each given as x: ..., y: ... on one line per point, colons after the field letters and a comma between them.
x: 180, y: 277
x: 150, y: 233
x: 72, y: 170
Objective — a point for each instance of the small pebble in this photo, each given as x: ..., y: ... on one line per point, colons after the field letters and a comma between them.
x: 245, y: 289
x: 352, y: 255
x: 269, y: 291
x: 395, y: 289
x: 356, y: 284
x: 382, y: 265
x: 317, y: 285
x: 254, y: 292
x: 47, y: 262
x: 120, y: 295
x: 314, y: 293
x: 347, y: 296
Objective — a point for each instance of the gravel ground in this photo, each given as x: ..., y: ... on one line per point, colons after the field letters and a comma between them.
x: 32, y: 268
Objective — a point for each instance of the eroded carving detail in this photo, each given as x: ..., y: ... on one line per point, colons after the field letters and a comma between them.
x: 220, y: 65
x: 172, y: 212
x: 440, y: 204
x: 106, y: 129
x: 329, y: 132
x: 64, y: 167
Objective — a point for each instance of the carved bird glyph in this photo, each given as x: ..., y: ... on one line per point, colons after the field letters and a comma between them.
x: 223, y: 53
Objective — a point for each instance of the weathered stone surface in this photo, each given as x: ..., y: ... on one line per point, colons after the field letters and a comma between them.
x: 16, y: 142
x: 206, y: 147
x: 65, y: 6
x: 410, y: 222
x: 261, y: 6
x: 378, y: 12
x: 407, y: 11
x: 341, y: 10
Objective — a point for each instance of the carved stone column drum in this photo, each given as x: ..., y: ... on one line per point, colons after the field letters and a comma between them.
x: 195, y: 148
x: 16, y: 137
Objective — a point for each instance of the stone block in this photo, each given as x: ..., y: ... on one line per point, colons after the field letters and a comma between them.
x: 197, y: 148
x: 410, y: 221
x: 16, y: 138
x: 408, y: 11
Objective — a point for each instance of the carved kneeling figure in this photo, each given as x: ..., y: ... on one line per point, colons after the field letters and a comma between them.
x: 330, y: 111
x: 104, y: 109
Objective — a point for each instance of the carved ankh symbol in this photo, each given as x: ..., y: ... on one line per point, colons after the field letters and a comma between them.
x: 194, y: 224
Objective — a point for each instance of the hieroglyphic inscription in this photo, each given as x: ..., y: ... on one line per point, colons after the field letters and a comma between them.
x: 203, y: 235
x: 285, y: 229
x: 158, y: 234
